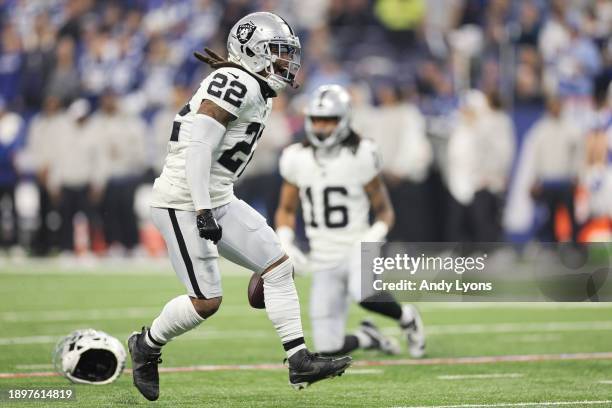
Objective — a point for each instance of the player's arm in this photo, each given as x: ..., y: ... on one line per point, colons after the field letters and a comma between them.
x: 285, y: 224
x: 383, y: 210
x: 287, y: 206
x: 209, y: 126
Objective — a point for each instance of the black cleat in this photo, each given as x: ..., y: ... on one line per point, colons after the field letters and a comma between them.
x: 306, y: 368
x: 144, y: 365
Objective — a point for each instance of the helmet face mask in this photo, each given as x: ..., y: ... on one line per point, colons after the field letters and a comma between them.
x: 328, y: 117
x: 265, y: 45
x: 285, y: 60
x: 323, y: 127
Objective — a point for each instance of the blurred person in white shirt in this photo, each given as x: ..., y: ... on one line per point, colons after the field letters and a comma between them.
x: 398, y: 127
x: 119, y: 138
x: 42, y: 149
x: 557, y: 156
x: 11, y: 142
x: 71, y: 170
x: 480, y: 153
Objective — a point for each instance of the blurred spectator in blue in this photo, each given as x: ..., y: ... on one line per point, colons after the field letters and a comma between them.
x: 11, y: 59
x: 12, y: 139
x: 554, y: 34
x: 109, y: 62
x: 529, y: 24
x: 38, y: 62
x: 435, y: 89
x: 159, y: 69
x: 578, y: 62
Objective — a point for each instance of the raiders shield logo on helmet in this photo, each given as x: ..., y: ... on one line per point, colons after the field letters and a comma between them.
x: 245, y: 32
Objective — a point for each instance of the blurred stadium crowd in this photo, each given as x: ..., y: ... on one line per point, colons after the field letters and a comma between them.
x: 493, y: 117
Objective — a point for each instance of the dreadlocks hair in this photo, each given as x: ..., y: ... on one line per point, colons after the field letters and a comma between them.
x: 215, y: 61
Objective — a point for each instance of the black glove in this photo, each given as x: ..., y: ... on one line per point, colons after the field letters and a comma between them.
x: 208, y: 226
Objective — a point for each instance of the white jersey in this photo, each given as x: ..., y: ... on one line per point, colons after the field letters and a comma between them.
x: 335, y: 206
x: 240, y: 94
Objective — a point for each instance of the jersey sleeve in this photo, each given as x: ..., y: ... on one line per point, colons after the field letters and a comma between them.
x: 370, y: 161
x: 288, y: 165
x: 229, y: 88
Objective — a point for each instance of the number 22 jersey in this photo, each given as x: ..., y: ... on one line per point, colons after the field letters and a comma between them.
x: 240, y: 94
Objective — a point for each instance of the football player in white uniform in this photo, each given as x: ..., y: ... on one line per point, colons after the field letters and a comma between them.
x: 336, y: 176
x: 193, y: 205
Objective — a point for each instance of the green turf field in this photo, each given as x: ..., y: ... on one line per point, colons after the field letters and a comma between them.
x: 40, y: 303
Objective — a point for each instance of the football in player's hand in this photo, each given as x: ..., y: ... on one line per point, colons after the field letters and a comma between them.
x: 256, y: 292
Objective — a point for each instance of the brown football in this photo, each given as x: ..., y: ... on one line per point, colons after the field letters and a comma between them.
x: 256, y: 292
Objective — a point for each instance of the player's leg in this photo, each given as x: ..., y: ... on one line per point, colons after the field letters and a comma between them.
x: 328, y: 313
x: 248, y: 241
x: 385, y: 304
x: 195, y: 263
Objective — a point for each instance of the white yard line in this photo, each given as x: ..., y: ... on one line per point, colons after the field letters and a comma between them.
x: 532, y: 338
x: 364, y: 363
x: 104, y: 266
x: 102, y: 314
x: 606, y: 382
x: 33, y: 366
x: 516, y: 404
x: 365, y: 371
x: 479, y: 376
x: 512, y: 305
x: 512, y: 327
x: 213, y: 333
x: 75, y: 314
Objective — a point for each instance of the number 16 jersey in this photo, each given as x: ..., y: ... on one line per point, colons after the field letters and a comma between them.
x: 332, y: 192
x: 240, y: 94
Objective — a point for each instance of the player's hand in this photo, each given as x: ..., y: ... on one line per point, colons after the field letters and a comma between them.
x: 298, y: 258
x: 208, y: 226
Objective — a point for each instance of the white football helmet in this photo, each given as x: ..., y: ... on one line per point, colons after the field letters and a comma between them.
x: 89, y: 356
x: 264, y: 42
x: 329, y: 101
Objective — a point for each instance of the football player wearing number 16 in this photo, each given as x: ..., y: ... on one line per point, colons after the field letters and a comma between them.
x: 194, y: 207
x: 335, y: 174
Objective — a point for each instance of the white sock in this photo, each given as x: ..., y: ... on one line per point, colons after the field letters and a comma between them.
x: 363, y: 339
x: 407, y: 315
x: 177, y: 317
x: 283, y: 306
